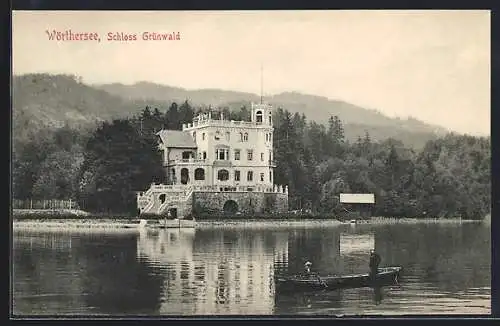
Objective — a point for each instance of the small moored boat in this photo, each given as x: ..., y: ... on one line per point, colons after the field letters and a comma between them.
x: 303, y: 283
x: 171, y: 224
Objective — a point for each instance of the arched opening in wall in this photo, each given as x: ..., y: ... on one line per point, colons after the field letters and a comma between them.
x: 223, y: 175
x: 199, y: 174
x: 162, y: 198
x: 230, y: 207
x: 172, y: 212
x: 173, y: 178
x: 184, y: 176
x: 258, y: 116
x: 270, y: 118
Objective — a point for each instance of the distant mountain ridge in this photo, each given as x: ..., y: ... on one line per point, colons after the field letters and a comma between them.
x: 316, y: 108
x: 40, y: 100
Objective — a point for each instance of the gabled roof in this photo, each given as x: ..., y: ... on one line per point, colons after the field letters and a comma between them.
x: 176, y: 138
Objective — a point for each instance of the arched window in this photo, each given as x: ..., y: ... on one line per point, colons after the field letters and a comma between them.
x: 184, y: 176
x: 217, y: 135
x: 258, y: 116
x: 199, y: 174
x: 173, y: 178
x: 245, y: 136
x: 241, y: 136
x: 270, y: 118
x: 223, y: 175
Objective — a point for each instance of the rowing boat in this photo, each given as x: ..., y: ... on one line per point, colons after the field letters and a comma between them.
x: 300, y: 283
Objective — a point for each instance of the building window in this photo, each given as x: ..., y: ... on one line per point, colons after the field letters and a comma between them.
x: 186, y: 155
x: 223, y: 175
x: 217, y: 135
x: 199, y: 174
x: 237, y: 175
x: 270, y: 118
x: 194, y: 135
x: 249, y: 155
x: 271, y: 177
x: 258, y: 116
x: 204, y: 155
x: 250, y: 176
x: 245, y: 136
x: 237, y: 154
x: 262, y: 156
x: 203, y: 136
x: 184, y: 176
x: 262, y: 177
x: 222, y: 154
x: 173, y: 179
x: 228, y: 135
x: 241, y: 136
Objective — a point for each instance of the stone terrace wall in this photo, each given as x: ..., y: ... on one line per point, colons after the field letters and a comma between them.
x: 248, y: 202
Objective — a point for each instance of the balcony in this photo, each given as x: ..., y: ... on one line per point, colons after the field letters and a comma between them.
x: 187, y: 161
x: 222, y: 123
x: 223, y: 163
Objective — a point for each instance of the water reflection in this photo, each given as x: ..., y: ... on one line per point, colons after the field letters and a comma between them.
x: 231, y: 271
x: 377, y: 295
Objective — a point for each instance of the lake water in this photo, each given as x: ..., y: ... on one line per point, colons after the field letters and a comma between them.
x: 221, y: 271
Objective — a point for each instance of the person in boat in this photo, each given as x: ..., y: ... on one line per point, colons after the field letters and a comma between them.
x: 310, y: 274
x: 374, y: 263
x: 307, y: 267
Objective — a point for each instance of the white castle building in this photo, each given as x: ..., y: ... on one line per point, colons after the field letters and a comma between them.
x: 218, y: 165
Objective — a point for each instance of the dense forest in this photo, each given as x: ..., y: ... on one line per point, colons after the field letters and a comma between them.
x: 101, y: 167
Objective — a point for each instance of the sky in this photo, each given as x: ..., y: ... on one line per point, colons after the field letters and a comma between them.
x: 431, y: 65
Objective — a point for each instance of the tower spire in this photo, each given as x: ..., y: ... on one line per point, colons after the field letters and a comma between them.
x: 261, y: 82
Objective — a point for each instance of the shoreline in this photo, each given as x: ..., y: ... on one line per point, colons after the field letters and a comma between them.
x: 128, y: 225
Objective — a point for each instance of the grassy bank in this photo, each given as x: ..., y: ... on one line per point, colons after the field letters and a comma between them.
x: 64, y: 214
x: 264, y: 217
x: 71, y: 225
x: 393, y: 220
x: 267, y: 223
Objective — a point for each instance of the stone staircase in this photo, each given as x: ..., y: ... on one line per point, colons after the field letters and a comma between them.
x: 175, y: 197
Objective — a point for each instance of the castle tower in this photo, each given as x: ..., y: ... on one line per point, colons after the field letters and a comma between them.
x: 262, y: 114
